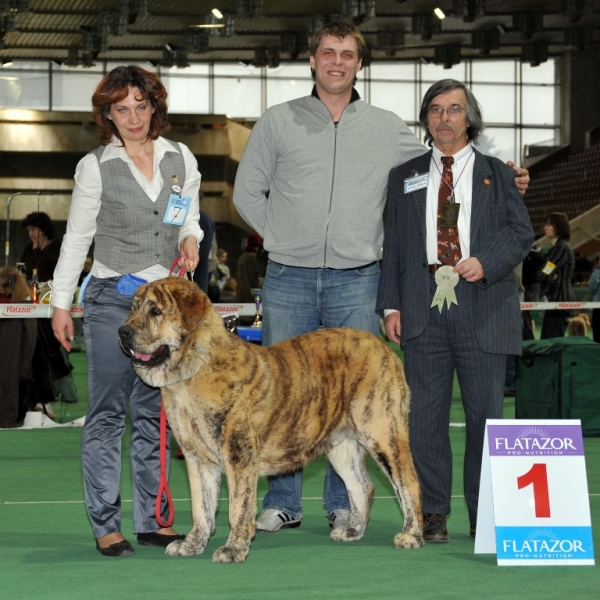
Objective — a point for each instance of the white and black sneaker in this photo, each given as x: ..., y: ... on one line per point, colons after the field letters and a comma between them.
x: 273, y: 520
x: 338, y: 518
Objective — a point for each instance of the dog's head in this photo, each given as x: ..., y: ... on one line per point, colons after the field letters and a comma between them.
x: 579, y: 325
x: 161, y: 335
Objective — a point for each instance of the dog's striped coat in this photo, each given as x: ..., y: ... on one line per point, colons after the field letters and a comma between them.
x: 248, y: 411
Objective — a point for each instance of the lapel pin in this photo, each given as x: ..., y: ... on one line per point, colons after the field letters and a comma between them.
x: 487, y: 181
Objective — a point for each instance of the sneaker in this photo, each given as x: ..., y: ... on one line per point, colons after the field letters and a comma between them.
x: 338, y: 518
x: 273, y: 520
x: 46, y: 409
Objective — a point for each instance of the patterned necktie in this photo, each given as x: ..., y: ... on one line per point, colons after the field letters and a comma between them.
x: 448, y: 240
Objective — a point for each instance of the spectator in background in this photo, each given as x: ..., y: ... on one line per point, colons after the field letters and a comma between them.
x: 17, y: 344
x: 201, y: 274
x: 556, y: 274
x: 594, y: 291
x: 43, y: 250
x: 228, y: 293
x: 50, y: 364
x: 221, y: 274
x: 247, y: 269
x: 582, y: 270
x: 532, y: 274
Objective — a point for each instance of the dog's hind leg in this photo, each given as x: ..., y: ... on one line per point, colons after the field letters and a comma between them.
x: 205, y: 480
x: 348, y: 460
x: 392, y: 453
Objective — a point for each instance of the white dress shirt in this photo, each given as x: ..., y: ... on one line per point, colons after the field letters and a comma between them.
x: 462, y: 175
x: 85, y: 206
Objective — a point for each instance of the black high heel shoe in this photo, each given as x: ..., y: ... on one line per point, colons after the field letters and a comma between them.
x: 119, y: 549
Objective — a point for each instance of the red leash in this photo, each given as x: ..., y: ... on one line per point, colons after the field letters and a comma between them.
x: 163, y: 486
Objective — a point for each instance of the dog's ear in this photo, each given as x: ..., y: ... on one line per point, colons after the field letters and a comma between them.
x: 192, y: 302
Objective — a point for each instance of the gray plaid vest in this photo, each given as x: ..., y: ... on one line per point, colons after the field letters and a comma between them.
x: 131, y: 235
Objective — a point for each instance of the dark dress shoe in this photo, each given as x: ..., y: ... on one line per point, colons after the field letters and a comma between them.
x: 157, y: 539
x: 123, y: 548
x: 434, y: 530
x: 473, y: 529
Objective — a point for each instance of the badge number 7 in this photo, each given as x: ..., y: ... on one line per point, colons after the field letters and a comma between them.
x: 538, y: 477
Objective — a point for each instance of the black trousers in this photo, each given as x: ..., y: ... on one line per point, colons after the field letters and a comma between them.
x: 555, y: 323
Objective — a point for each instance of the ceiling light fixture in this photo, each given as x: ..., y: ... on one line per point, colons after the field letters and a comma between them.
x: 7, y: 62
x: 209, y: 25
x: 439, y: 13
x: 217, y: 13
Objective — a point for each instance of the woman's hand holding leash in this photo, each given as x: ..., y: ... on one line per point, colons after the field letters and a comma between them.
x: 189, y: 253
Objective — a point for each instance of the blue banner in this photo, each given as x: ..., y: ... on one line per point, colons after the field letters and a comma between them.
x: 544, y: 543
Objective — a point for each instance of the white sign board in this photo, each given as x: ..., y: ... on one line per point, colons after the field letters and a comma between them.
x: 533, y: 499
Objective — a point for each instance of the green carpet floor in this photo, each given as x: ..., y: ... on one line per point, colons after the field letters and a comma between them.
x: 47, y: 548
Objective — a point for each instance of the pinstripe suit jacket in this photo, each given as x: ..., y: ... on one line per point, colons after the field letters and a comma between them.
x: 501, y: 237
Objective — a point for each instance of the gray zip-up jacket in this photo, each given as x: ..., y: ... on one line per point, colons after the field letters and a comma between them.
x: 315, y: 190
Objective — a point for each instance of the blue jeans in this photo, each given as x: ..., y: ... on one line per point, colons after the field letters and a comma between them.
x: 298, y: 300
x: 113, y: 386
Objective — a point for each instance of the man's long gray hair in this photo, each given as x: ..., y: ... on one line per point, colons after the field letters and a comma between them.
x: 474, y: 116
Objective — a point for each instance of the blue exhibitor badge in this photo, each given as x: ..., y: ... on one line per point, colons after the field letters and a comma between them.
x: 418, y: 182
x: 177, y: 209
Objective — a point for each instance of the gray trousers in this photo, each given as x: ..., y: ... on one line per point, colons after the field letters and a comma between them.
x: 113, y: 385
x: 448, y: 344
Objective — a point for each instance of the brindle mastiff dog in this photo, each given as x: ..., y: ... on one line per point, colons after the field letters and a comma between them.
x: 250, y: 411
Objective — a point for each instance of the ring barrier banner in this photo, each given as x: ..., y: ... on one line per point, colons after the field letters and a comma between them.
x: 43, y: 311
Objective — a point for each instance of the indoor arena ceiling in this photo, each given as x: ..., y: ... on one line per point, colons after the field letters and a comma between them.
x: 265, y: 32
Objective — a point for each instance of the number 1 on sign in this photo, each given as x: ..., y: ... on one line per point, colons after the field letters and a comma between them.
x: 538, y: 477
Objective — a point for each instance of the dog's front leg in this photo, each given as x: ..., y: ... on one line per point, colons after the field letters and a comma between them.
x: 205, y: 479
x: 241, y: 469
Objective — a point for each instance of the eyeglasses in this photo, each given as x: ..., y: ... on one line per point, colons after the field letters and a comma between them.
x: 453, y: 111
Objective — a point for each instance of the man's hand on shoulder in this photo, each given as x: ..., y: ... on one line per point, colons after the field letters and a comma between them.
x: 469, y: 269
x: 522, y: 179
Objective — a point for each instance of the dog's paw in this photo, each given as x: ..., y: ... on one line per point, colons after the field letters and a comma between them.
x: 407, y: 540
x: 346, y: 534
x: 229, y: 554
x: 184, y: 548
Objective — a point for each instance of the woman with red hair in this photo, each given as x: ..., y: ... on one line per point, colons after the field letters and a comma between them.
x: 136, y: 197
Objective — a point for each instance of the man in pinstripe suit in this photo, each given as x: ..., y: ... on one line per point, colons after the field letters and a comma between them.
x: 461, y: 317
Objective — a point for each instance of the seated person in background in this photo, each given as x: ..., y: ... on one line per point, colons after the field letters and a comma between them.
x: 229, y: 290
x: 221, y: 272
x: 44, y: 249
x: 52, y: 376
x: 17, y: 342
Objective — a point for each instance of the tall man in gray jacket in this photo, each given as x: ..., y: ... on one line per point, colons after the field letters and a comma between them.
x: 312, y: 182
